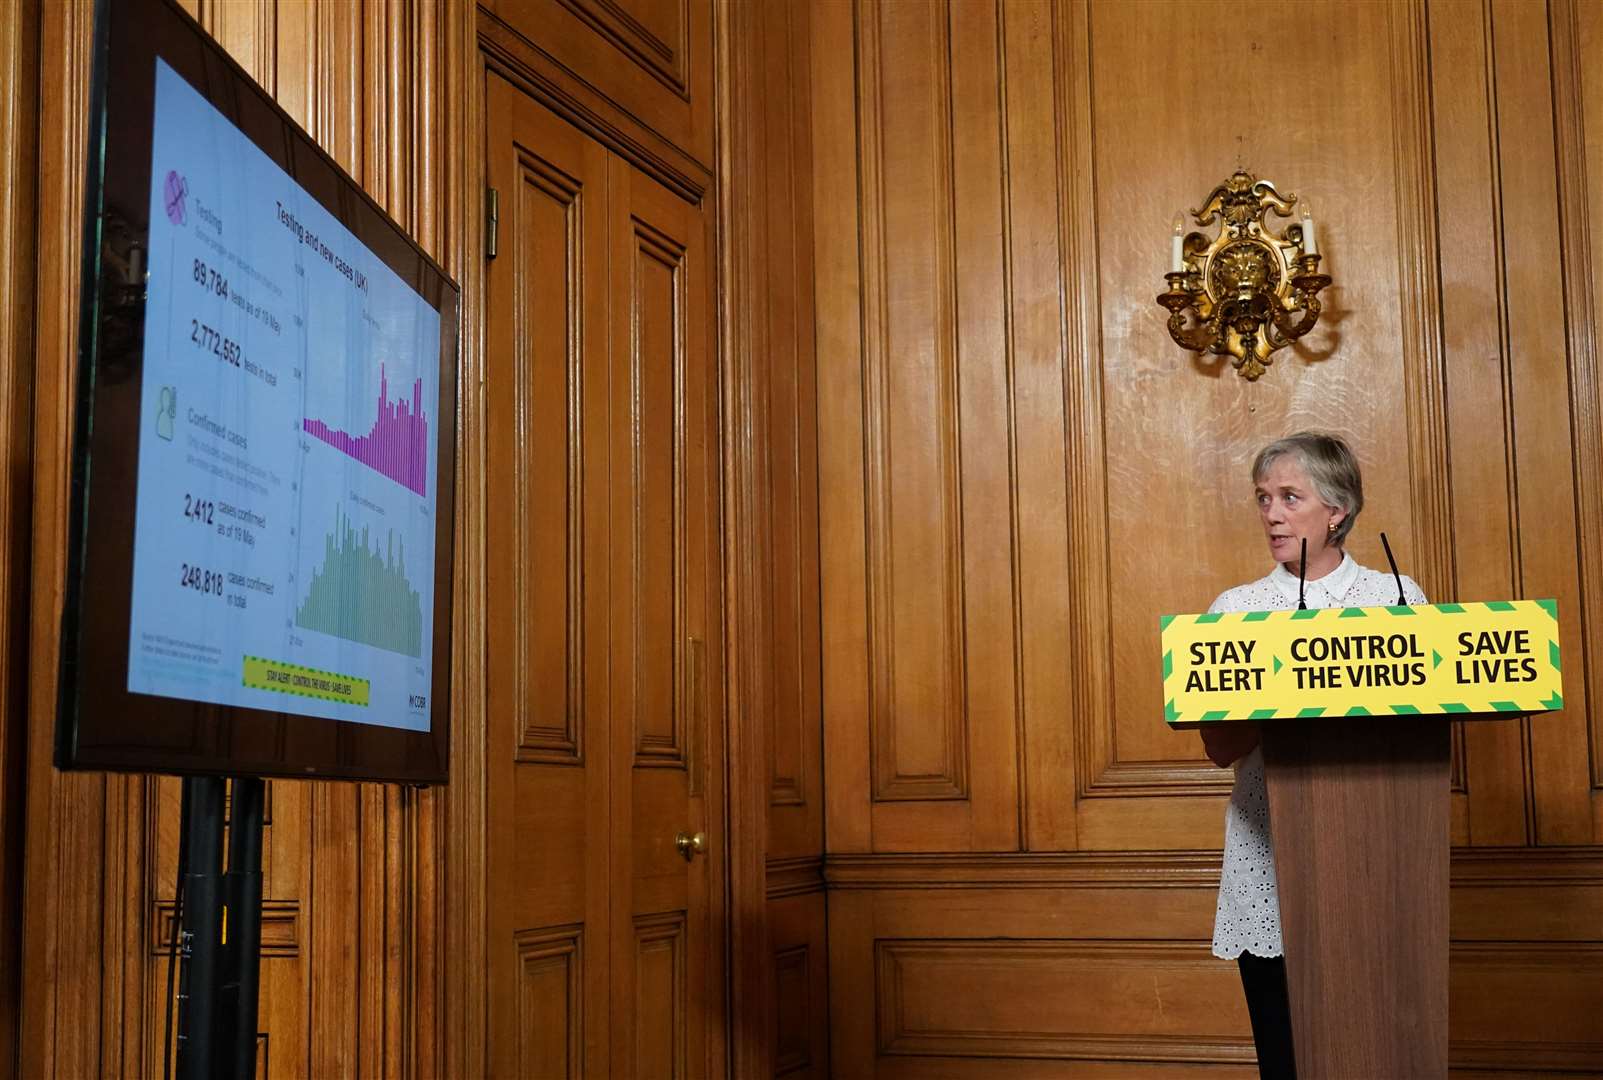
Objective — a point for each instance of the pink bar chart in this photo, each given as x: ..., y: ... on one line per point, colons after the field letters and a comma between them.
x: 397, y: 446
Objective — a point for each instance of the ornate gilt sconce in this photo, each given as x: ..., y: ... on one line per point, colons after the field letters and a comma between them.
x: 1250, y: 291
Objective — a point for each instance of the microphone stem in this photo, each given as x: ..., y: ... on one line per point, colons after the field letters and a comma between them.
x: 1401, y: 600
x: 1302, y: 576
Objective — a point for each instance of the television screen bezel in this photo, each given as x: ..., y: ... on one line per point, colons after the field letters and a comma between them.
x: 100, y: 724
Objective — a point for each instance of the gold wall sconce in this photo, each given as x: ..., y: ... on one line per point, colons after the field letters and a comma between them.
x: 1248, y: 291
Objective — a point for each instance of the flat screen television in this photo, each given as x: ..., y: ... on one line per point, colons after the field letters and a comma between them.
x: 261, y: 514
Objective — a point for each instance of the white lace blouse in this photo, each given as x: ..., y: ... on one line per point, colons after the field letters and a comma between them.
x: 1248, y: 916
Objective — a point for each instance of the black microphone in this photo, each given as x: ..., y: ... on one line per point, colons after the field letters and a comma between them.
x: 1401, y: 602
x: 1302, y: 576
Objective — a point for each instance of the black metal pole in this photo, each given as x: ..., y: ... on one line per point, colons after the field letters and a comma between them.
x: 202, y: 840
x: 243, y: 887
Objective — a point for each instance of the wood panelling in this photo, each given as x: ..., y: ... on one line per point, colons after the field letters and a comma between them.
x: 547, y: 618
x: 964, y: 1068
x: 1418, y: 306
x: 654, y: 35
x: 1064, y: 869
x: 1478, y: 386
x: 1353, y: 378
x: 353, y: 874
x: 954, y: 997
x: 795, y: 876
x: 1503, y: 1001
x: 917, y: 697
x: 550, y: 1005
x: 604, y: 597
x: 839, y: 326
x: 1017, y: 469
x: 779, y: 1007
x: 776, y: 462
x: 1578, y: 40
x: 64, y: 815
x: 378, y: 920
x: 1523, y: 988
x: 798, y: 1040
x: 793, y: 1013
x: 281, y: 933
x: 1056, y: 404
x: 934, y: 730
x: 1549, y: 895
x: 666, y: 643
x: 19, y: 134
x: 1543, y: 426
x: 541, y: 422
x: 1116, y: 972
x: 648, y: 60
x: 649, y: 454
x: 983, y: 916
x: 661, y: 1013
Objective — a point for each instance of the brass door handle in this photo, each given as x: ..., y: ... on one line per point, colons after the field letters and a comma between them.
x: 690, y: 846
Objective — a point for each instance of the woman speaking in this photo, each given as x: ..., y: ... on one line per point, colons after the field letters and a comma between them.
x: 1309, y: 490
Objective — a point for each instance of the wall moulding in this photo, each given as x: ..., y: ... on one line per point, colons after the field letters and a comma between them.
x: 1500, y: 868
x: 532, y: 70
x: 1527, y: 867
x: 995, y: 1019
x: 912, y: 504
x: 798, y: 876
x: 1549, y: 992
x: 665, y: 60
x: 1067, y: 869
x: 1581, y: 279
x: 792, y: 979
x: 281, y: 929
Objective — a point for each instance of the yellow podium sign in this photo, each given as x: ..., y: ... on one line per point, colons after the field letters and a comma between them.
x: 1501, y: 656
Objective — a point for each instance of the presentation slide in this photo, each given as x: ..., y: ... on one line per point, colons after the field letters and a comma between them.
x: 285, y: 513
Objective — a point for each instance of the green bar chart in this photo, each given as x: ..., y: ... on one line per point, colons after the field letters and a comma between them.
x: 362, y: 595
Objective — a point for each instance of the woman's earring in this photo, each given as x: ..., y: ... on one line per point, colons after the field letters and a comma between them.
x: 1330, y: 529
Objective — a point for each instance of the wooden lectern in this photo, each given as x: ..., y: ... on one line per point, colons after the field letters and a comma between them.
x: 1356, y: 704
x: 1359, y: 814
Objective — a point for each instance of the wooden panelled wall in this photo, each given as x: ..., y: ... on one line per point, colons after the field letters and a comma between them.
x: 19, y: 128
x: 355, y: 876
x: 376, y: 933
x: 1018, y: 471
x: 965, y: 466
x: 779, y: 952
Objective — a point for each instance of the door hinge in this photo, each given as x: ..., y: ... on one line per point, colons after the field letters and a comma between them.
x: 492, y: 221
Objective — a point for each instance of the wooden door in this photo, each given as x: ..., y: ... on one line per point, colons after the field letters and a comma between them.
x: 604, y: 937
x: 661, y: 532
x: 545, y: 406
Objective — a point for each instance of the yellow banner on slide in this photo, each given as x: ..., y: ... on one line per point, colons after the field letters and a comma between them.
x: 1501, y: 656
x: 261, y: 673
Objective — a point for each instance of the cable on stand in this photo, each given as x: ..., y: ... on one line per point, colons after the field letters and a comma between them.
x: 219, y: 980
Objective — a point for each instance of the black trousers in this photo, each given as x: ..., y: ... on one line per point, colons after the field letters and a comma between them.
x: 1268, y: 1003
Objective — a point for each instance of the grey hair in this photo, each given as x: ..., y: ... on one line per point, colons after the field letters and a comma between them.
x: 1330, y: 464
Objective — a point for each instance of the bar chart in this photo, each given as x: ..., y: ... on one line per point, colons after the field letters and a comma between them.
x: 397, y: 445
x: 362, y: 595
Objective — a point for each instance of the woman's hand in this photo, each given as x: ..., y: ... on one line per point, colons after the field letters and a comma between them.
x: 1227, y: 741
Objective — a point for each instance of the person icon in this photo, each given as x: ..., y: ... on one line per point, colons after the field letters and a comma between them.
x: 166, y: 412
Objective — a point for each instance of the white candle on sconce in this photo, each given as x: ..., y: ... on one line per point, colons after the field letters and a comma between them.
x: 1177, y: 260
x: 1309, y: 247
